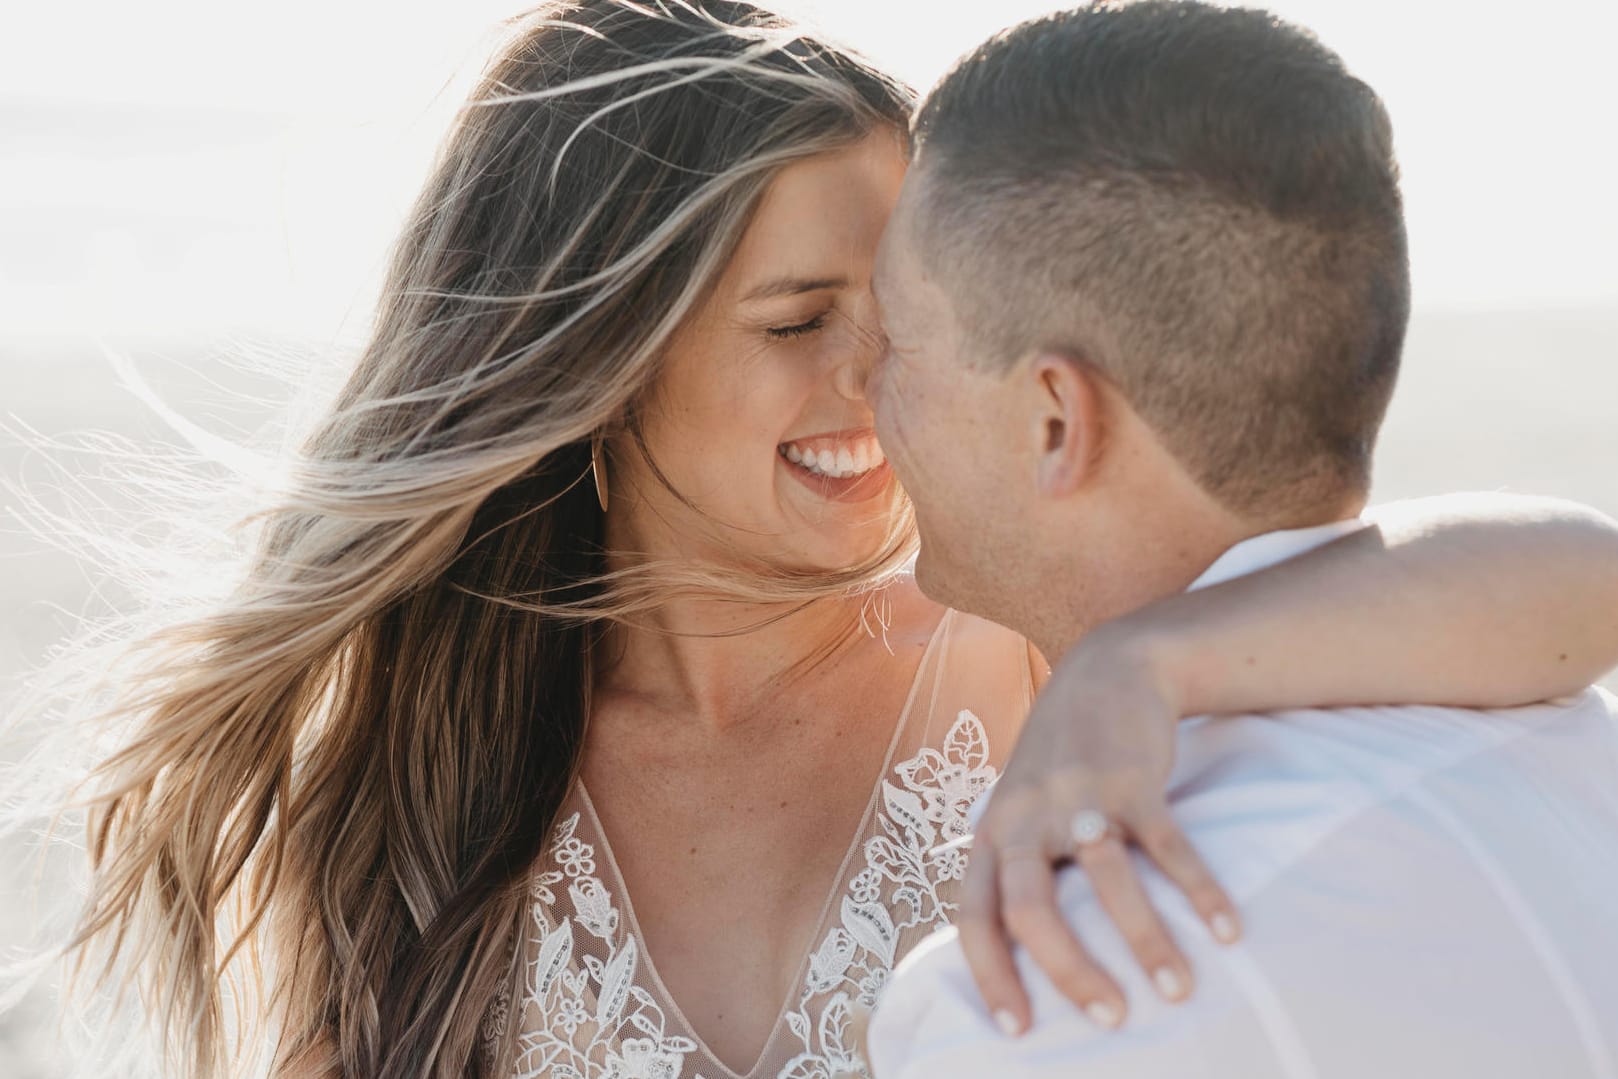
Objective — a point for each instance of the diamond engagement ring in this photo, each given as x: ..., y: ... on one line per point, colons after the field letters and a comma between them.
x: 1089, y: 826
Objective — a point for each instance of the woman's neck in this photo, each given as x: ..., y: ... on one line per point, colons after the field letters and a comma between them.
x: 711, y: 662
x: 715, y: 662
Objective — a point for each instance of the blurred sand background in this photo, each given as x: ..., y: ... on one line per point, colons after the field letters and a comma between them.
x: 205, y: 201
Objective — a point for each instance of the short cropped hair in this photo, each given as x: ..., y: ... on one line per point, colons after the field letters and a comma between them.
x: 1201, y: 203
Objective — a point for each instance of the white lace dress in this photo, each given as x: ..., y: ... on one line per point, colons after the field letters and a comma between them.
x: 594, y: 1006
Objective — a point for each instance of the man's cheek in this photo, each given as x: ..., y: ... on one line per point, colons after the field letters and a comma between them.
x: 885, y: 408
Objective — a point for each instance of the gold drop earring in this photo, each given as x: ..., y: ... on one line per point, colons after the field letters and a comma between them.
x: 598, y: 467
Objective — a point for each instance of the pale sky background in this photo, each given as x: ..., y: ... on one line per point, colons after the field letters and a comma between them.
x: 180, y: 167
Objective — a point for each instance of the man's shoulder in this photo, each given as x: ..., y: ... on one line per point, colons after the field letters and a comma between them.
x: 1375, y: 745
x: 1395, y: 830
x: 1257, y: 792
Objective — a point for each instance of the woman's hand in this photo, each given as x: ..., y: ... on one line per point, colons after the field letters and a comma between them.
x: 1100, y: 741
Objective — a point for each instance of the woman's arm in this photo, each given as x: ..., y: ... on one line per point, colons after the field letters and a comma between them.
x: 1467, y: 600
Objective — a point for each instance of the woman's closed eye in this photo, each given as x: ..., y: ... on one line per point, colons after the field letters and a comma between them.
x: 782, y: 333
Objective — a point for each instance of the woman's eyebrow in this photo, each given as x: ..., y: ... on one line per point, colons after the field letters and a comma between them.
x: 791, y: 286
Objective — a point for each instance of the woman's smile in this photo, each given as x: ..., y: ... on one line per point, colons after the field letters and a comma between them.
x: 841, y: 466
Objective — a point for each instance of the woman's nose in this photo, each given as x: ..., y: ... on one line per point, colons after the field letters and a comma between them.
x: 854, y: 371
x: 850, y: 377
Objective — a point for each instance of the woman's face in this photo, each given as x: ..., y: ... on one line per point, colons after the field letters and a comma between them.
x: 759, y: 417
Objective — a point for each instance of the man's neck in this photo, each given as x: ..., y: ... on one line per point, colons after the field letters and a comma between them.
x: 1111, y: 571
x: 1152, y: 561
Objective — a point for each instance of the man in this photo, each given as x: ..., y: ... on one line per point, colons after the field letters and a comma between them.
x: 1146, y: 290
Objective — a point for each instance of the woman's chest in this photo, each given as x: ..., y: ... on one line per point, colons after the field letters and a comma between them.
x: 718, y: 972
x: 734, y: 878
x: 747, y: 920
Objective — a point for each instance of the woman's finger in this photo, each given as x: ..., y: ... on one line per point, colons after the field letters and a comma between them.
x: 985, y: 943
x: 1161, y: 838
x: 1118, y: 887
x: 1028, y: 908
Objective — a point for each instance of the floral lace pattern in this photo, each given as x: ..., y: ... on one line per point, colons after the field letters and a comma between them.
x: 585, y: 1017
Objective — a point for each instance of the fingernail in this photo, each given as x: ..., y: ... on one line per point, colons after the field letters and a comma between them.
x: 1007, y: 1023
x: 1103, y: 1014
x: 1224, y: 928
x: 1169, y: 983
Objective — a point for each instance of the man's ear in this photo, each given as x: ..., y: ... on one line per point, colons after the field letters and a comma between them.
x: 1071, y: 409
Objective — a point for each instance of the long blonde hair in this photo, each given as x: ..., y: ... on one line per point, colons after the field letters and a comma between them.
x: 347, y: 766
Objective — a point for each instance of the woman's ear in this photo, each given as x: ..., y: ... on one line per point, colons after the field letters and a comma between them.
x: 1071, y: 410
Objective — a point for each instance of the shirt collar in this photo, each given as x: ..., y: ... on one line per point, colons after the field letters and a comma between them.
x: 1259, y: 552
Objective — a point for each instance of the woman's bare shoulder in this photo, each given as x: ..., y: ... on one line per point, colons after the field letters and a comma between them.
x: 984, y: 632
x: 902, y: 613
x: 984, y: 669
x: 911, y: 617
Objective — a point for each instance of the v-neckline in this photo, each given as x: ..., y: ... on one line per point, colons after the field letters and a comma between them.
x: 833, y: 891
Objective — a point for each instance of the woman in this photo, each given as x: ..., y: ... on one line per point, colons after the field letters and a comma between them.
x: 595, y: 543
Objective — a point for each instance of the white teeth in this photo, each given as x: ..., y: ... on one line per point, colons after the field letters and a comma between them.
x: 854, y: 459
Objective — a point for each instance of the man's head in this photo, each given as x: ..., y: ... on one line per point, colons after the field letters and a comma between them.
x: 1146, y: 289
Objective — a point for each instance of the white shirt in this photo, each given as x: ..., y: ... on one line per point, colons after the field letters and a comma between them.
x: 1426, y: 893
